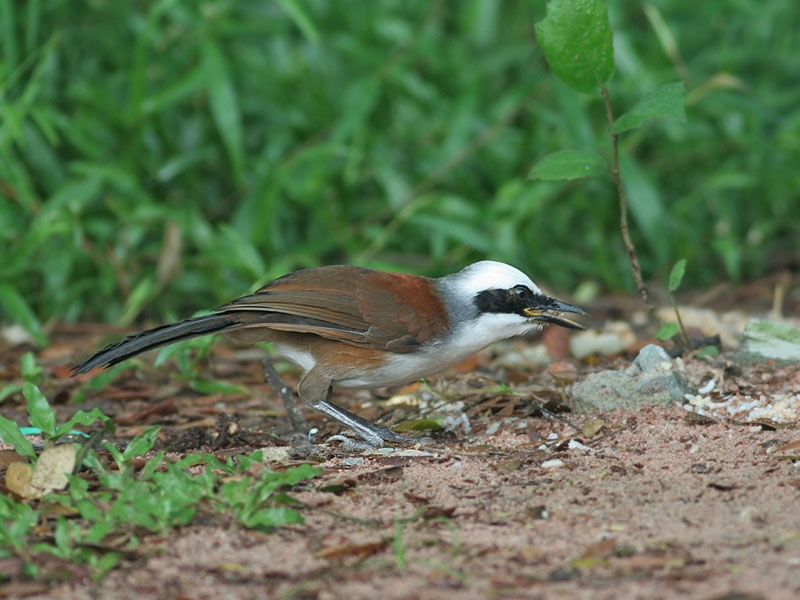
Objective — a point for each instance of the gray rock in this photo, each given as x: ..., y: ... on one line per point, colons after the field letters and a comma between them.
x: 651, y: 379
x: 653, y: 358
x: 767, y: 340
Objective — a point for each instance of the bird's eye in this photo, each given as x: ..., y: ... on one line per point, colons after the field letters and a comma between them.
x: 520, y: 292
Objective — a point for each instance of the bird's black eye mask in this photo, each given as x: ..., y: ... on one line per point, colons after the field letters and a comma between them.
x: 511, y: 301
x: 520, y: 300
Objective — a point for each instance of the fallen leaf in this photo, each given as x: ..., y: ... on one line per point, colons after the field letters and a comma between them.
x: 382, y: 475
x: 10, y: 456
x: 418, y: 425
x: 359, y: 551
x: 433, y: 512
x: 51, y: 470
x: 697, y: 419
x: 416, y: 499
x: 790, y: 446
x: 510, y: 465
x: 722, y: 486
x: 592, y: 427
x: 599, y: 549
x: 18, y: 478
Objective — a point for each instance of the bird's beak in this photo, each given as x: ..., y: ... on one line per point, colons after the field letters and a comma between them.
x: 549, y: 311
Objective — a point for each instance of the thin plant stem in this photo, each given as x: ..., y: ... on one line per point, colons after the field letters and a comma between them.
x: 623, y: 213
x: 683, y: 336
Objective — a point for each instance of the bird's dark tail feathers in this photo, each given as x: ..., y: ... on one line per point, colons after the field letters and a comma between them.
x: 155, y: 338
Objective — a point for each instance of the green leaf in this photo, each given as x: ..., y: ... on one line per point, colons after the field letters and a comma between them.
x: 208, y: 387
x: 85, y: 418
x: 30, y: 370
x: 224, y: 104
x: 676, y: 275
x: 667, y: 332
x: 10, y: 433
x: 568, y: 164
x: 710, y: 350
x: 300, y: 17
x: 666, y: 100
x: 39, y: 412
x: 137, y: 299
x: 577, y: 42
x: 272, y: 517
x: 646, y: 205
x: 294, y: 475
x: 151, y: 465
x: 15, y: 306
x: 141, y: 444
x: 8, y: 390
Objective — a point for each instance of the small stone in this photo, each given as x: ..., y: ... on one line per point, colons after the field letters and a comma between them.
x: 613, y: 339
x: 652, y: 358
x: 767, y: 340
x: 653, y: 378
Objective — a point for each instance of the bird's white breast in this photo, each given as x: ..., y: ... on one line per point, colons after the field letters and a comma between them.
x: 442, y: 354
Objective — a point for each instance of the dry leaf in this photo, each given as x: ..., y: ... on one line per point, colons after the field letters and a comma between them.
x: 592, y: 427
x: 599, y: 549
x: 790, y: 446
x: 696, y: 418
x: 359, y: 551
x: 10, y: 456
x: 51, y: 470
x: 18, y: 478
x: 382, y: 475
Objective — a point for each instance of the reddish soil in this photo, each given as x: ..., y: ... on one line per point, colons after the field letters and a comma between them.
x: 660, y: 503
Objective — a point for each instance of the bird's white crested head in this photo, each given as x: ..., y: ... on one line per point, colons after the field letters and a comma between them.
x: 489, y: 301
x: 487, y: 275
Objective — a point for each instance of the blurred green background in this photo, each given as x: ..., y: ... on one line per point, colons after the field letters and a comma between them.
x: 160, y: 157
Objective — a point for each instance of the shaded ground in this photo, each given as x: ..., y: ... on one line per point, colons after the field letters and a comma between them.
x: 662, y: 508
x: 527, y: 504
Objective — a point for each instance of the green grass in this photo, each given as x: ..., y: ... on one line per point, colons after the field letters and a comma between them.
x: 109, y: 505
x: 162, y: 157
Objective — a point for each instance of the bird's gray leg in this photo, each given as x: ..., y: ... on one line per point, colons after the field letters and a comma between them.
x: 315, y: 389
x: 296, y: 418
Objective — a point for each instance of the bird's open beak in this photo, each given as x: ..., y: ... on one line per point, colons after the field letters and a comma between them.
x: 550, y: 312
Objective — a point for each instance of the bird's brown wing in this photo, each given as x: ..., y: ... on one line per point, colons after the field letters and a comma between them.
x: 363, y: 307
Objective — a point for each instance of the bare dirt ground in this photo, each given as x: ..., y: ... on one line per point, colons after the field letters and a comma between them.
x: 659, y: 508
x: 528, y: 503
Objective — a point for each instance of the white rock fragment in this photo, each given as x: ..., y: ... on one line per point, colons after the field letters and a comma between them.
x: 554, y: 463
x: 707, y: 387
x: 782, y: 408
x: 576, y: 445
x: 524, y: 357
x: 492, y: 428
x: 454, y: 422
x: 614, y: 338
x: 16, y: 335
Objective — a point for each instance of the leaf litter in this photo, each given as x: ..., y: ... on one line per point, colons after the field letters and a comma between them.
x: 515, y: 498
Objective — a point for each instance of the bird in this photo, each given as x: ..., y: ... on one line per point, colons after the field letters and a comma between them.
x: 354, y: 327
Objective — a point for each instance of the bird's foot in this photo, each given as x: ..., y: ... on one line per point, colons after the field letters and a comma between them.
x: 375, y: 435
x: 298, y: 421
